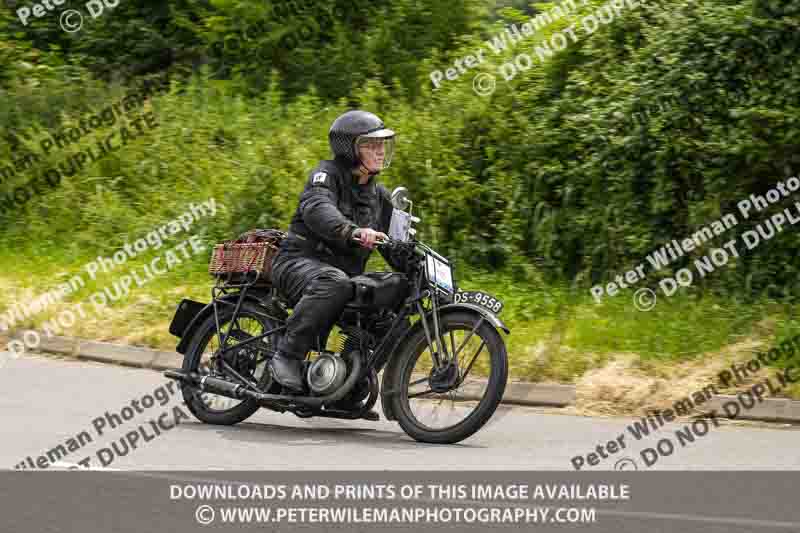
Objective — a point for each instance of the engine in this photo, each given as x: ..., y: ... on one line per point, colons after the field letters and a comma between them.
x: 327, y: 373
x: 330, y: 369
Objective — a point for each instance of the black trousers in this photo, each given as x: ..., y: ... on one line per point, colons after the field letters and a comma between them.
x: 318, y: 293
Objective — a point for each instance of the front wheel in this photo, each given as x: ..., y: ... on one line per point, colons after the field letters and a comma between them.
x: 448, y: 405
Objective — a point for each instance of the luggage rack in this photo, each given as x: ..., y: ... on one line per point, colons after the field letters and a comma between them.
x: 258, y: 287
x: 239, y: 280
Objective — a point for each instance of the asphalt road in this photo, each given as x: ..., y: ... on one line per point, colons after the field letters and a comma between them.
x: 46, y: 402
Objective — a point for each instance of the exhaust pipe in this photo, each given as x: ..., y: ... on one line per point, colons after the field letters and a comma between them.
x: 232, y: 390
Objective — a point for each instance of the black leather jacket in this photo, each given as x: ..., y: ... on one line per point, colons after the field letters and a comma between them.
x: 332, y: 205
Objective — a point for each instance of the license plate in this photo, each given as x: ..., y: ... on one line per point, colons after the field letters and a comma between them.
x: 487, y: 301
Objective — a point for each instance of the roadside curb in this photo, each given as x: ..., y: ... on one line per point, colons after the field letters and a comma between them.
x: 106, y: 352
x: 768, y: 410
x: 516, y: 393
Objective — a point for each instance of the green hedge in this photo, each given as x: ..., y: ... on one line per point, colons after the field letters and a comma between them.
x: 648, y: 129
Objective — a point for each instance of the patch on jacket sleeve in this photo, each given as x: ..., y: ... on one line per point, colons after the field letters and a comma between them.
x: 319, y: 177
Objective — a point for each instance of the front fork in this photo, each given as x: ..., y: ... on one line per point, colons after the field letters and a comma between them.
x: 442, y: 370
x: 439, y: 343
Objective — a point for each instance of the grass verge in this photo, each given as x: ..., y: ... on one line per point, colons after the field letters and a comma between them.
x: 622, y: 359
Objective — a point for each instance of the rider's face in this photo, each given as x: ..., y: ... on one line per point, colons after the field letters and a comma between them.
x: 372, y: 153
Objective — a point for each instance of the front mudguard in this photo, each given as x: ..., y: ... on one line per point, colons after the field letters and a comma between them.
x: 493, y: 319
x: 391, y: 365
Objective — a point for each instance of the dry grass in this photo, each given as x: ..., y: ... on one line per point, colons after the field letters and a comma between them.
x: 626, y: 386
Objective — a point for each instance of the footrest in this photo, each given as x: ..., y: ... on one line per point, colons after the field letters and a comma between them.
x: 176, y: 375
x: 372, y: 416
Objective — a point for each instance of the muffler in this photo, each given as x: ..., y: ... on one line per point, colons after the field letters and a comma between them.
x: 229, y: 389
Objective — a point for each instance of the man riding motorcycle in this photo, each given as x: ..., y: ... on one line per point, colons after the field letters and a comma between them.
x: 341, y: 202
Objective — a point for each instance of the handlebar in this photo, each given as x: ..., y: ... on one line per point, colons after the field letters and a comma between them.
x: 407, y: 252
x: 379, y: 242
x: 410, y: 246
x: 392, y: 243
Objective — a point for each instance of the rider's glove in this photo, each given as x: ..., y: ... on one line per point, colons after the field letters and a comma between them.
x: 369, y: 237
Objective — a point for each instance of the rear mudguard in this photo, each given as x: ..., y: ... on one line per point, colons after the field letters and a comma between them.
x: 391, y: 365
x: 208, y: 310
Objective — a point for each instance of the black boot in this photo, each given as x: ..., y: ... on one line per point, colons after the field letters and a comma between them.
x: 288, y: 371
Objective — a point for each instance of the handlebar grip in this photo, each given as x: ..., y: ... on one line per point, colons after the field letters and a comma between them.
x: 379, y: 241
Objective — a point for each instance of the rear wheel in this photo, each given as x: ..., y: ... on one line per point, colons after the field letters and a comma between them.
x: 448, y: 405
x: 250, y: 361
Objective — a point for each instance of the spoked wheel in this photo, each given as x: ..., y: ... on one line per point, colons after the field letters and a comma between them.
x: 250, y: 362
x: 448, y: 401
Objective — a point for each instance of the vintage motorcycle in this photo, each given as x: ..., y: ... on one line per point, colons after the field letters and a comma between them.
x: 416, y: 326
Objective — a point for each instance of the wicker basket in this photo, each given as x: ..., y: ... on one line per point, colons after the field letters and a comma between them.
x: 253, y: 251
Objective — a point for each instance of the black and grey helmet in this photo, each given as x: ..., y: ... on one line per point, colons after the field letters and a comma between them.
x: 354, y: 127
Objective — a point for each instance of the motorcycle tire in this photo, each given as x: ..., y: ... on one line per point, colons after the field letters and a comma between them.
x: 414, y: 347
x: 204, y: 335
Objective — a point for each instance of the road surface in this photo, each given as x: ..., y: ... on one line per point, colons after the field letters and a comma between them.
x: 48, y: 402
